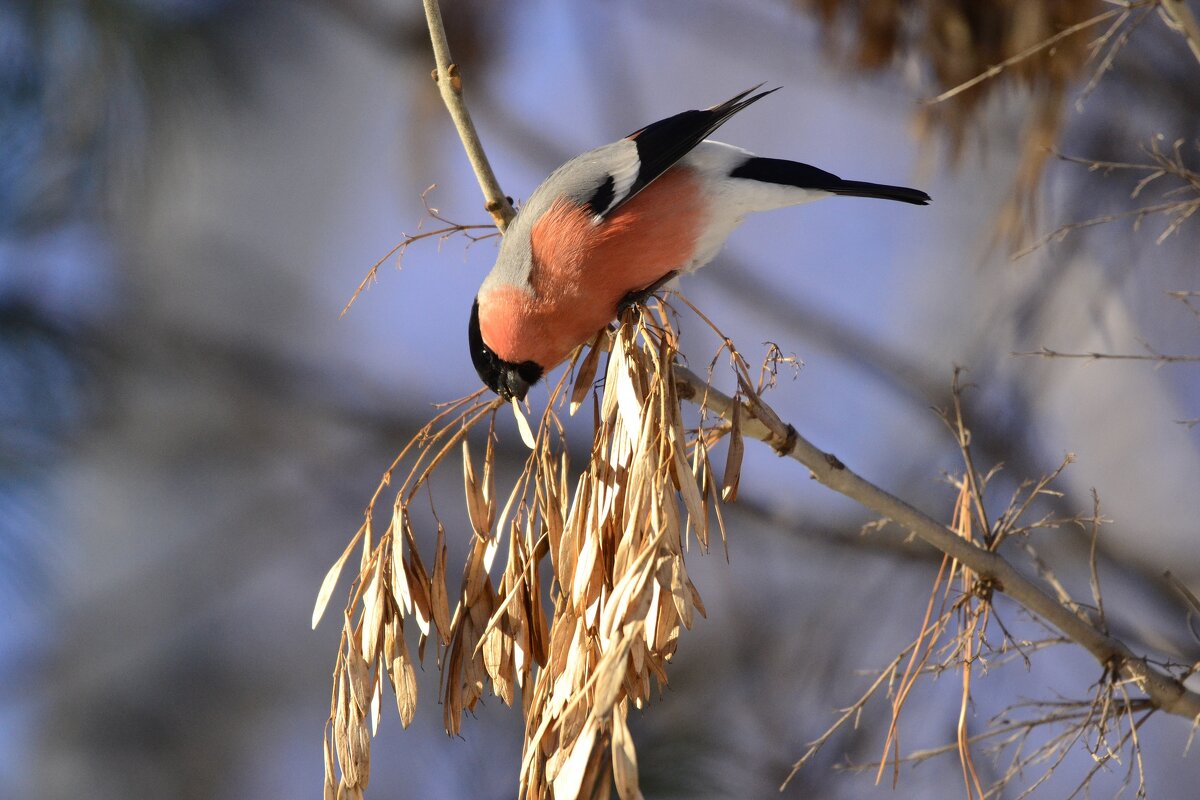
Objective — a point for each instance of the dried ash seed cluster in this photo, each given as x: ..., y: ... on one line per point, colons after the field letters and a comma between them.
x: 579, y: 651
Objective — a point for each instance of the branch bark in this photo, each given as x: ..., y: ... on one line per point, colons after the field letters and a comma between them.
x: 1163, y: 690
x: 450, y: 86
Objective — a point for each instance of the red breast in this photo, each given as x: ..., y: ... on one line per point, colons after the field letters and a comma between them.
x: 582, y: 270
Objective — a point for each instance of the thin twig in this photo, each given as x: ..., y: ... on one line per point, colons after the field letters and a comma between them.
x: 1050, y: 41
x: 450, y: 86
x: 1161, y: 358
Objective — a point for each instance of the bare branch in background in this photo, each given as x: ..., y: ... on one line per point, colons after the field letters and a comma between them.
x: 1179, y: 203
x: 1151, y: 355
x: 448, y: 229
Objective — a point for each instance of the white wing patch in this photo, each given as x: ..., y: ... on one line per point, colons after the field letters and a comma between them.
x: 623, y: 166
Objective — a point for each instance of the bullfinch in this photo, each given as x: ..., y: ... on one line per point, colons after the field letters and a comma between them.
x: 614, y: 224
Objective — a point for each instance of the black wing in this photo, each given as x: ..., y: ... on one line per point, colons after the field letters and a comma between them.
x: 792, y: 173
x: 662, y: 143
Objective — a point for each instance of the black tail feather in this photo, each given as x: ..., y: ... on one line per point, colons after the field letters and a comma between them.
x: 803, y: 176
x: 882, y: 191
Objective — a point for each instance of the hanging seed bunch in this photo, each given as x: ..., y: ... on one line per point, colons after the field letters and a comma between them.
x: 594, y: 642
x: 967, y: 53
x: 1028, y: 43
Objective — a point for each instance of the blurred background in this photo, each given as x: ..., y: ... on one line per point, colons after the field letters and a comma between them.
x: 191, y: 190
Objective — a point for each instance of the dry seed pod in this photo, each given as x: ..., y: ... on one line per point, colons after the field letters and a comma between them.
x: 331, y: 577
x: 570, y: 777
x: 624, y: 759
x: 610, y: 673
x: 360, y: 752
x: 343, y: 719
x: 418, y: 589
x: 330, y: 790
x: 404, y: 681
x: 358, y: 674
x: 439, y: 598
x: 493, y: 654
x: 523, y: 426
x: 733, y: 459
x: 374, y: 609
x: 476, y: 504
x: 677, y: 575
x: 690, y: 493
x: 586, y: 375
x: 489, y: 474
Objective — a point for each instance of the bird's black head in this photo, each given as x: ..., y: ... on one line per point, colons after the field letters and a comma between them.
x: 505, y: 378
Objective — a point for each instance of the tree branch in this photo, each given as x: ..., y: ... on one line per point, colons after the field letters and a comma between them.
x: 1163, y: 690
x: 450, y: 86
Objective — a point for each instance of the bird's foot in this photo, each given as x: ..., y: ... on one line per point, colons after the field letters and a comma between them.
x: 639, y: 297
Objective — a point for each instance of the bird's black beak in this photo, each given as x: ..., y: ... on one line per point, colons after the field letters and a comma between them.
x: 505, y: 378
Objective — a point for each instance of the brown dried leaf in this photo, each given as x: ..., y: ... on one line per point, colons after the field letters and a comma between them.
x: 498, y: 648
x: 360, y: 753
x: 404, y: 681
x: 399, y: 583
x: 624, y: 759
x: 493, y: 654
x: 331, y: 577
x: 570, y: 777
x: 330, y: 775
x: 629, y: 402
x: 474, y: 573
x: 567, y: 548
x: 562, y: 637
x: 539, y: 628
x: 586, y: 376
x: 584, y: 572
x: 439, y: 599
x: 358, y: 675
x: 691, y: 494
x: 452, y: 707
x: 695, y: 595
x: 476, y: 504
x: 418, y: 589
x: 374, y: 606
x: 673, y: 574
x: 733, y: 459
x: 667, y: 624
x: 342, y: 721
x: 610, y: 673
